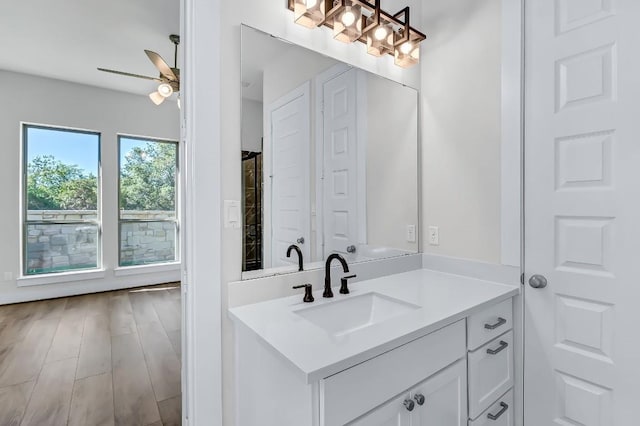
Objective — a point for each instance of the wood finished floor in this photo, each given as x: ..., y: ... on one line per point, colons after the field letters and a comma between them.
x: 99, y: 359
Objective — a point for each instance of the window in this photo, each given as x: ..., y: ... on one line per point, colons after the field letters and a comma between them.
x: 148, y: 182
x: 61, y: 200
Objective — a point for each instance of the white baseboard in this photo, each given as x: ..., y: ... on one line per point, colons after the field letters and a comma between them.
x: 503, y: 274
x: 52, y: 291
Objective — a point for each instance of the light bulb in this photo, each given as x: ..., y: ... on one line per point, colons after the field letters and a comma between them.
x: 406, y: 48
x: 380, y: 33
x: 165, y: 90
x: 156, y: 98
x: 311, y: 3
x: 348, y: 18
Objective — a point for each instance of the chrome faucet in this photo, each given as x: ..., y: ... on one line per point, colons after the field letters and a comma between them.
x: 327, y: 272
x: 297, y: 249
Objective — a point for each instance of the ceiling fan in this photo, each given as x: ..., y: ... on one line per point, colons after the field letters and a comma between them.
x: 169, y: 78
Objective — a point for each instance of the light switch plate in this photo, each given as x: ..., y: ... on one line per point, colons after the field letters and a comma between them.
x: 411, y: 233
x: 434, y: 236
x: 232, y: 217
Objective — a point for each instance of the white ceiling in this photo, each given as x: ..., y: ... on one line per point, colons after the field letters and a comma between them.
x: 69, y: 39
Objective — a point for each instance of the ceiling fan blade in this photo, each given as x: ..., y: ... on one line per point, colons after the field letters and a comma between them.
x: 162, y: 66
x: 128, y: 74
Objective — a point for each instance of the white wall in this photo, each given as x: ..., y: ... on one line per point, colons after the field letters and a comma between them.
x: 53, y: 102
x: 392, y: 163
x: 291, y: 69
x: 461, y: 128
x: 251, y: 125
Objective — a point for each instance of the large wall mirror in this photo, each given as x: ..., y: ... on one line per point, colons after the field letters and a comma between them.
x: 329, y: 159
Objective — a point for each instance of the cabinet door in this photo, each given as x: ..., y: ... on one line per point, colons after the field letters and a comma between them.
x: 392, y: 413
x: 445, y: 398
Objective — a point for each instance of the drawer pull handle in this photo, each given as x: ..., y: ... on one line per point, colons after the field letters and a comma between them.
x: 501, y: 321
x: 502, y: 346
x: 497, y: 415
x: 409, y: 404
x: 419, y: 398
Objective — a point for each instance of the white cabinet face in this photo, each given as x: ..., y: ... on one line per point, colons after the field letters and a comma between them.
x: 499, y: 414
x: 445, y: 398
x: 393, y: 413
x: 441, y: 400
x: 490, y: 373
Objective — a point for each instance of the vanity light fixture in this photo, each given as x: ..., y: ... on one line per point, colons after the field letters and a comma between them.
x: 360, y: 20
x: 406, y: 44
x: 379, y: 33
x: 347, y: 21
x: 310, y: 13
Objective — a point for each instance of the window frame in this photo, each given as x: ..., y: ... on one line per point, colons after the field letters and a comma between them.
x: 24, y: 203
x: 176, y: 202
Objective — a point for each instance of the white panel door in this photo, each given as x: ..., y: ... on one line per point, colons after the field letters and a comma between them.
x: 582, y: 212
x: 290, y: 165
x: 340, y: 211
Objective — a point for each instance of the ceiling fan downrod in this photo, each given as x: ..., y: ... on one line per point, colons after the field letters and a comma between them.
x: 175, y: 39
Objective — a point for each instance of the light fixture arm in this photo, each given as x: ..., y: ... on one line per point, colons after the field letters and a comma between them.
x: 376, y: 18
x: 405, y: 13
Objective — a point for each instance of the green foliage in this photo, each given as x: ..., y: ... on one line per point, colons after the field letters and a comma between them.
x: 53, y: 185
x: 148, y: 177
x: 147, y: 181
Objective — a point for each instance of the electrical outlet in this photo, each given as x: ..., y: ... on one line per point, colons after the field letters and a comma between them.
x: 434, y: 236
x: 411, y: 233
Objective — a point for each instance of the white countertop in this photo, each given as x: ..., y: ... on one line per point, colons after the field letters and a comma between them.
x: 316, y: 354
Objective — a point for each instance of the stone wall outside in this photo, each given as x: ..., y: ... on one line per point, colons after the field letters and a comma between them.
x: 57, y: 247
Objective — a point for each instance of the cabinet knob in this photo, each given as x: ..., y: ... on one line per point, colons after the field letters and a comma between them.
x: 408, y: 404
x: 419, y: 398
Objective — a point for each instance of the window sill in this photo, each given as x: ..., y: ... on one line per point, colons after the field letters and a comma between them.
x: 146, y: 269
x: 62, y: 277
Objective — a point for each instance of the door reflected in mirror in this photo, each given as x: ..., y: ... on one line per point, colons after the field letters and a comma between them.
x: 329, y: 159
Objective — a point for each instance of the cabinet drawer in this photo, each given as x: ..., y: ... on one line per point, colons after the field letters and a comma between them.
x: 499, y: 414
x: 352, y: 392
x: 489, y: 324
x: 490, y: 373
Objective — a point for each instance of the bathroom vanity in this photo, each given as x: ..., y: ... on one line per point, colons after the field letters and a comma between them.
x: 417, y: 348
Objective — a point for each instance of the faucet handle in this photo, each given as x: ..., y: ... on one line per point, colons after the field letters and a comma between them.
x: 343, y: 284
x: 308, y: 296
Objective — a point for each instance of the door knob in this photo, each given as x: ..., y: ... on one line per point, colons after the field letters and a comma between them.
x: 409, y: 404
x: 351, y: 249
x: 538, y: 281
x: 300, y: 240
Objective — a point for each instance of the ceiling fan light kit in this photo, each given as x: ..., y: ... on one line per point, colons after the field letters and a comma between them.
x: 156, y: 98
x: 165, y: 89
x: 360, y: 20
x: 169, y: 77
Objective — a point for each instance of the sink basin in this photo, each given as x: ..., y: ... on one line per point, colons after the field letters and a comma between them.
x: 355, y: 312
